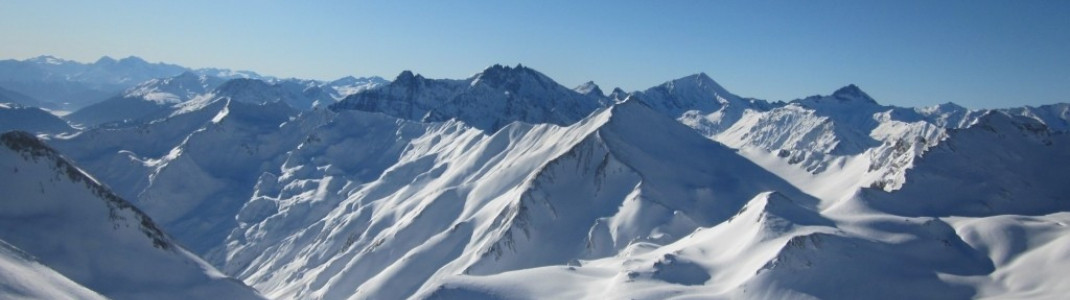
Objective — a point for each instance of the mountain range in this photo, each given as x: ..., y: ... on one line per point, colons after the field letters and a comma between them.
x: 508, y: 185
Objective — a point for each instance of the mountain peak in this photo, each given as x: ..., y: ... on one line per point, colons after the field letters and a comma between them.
x: 590, y: 89
x: 344, y: 80
x: 512, y: 78
x: 105, y: 60
x: 132, y: 60
x: 852, y: 92
x: 407, y: 77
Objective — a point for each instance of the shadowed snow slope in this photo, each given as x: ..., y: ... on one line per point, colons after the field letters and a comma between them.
x: 31, y: 119
x: 1002, y: 165
x: 94, y: 237
x: 23, y: 277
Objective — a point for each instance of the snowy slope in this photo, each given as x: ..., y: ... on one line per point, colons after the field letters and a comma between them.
x: 32, y: 119
x: 1054, y: 116
x: 94, y: 237
x: 489, y: 100
x: 23, y: 277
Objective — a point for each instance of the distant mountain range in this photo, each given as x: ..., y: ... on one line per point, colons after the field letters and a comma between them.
x: 508, y: 185
x: 55, y: 83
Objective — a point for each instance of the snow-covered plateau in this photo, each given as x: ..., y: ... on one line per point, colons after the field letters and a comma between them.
x: 507, y: 185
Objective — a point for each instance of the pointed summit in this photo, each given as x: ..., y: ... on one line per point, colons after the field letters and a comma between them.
x: 406, y: 78
x: 852, y: 92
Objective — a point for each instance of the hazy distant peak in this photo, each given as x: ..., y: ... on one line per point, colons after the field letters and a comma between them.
x: 105, y: 60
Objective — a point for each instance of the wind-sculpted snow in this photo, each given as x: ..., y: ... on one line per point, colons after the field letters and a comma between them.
x: 94, y: 237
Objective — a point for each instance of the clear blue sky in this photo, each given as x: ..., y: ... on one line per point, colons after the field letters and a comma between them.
x: 975, y: 53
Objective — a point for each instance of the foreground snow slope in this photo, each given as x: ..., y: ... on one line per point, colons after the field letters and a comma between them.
x: 23, y: 277
x: 92, y: 236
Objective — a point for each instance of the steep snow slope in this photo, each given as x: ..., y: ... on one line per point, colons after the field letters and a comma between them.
x: 489, y: 100
x: 94, y: 237
x: 413, y: 203
x: 23, y: 277
x: 32, y: 119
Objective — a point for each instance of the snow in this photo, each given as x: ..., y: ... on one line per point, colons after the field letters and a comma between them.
x: 22, y: 277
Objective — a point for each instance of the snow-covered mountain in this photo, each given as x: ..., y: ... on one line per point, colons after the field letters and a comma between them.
x: 489, y: 100
x: 507, y: 185
x: 149, y: 98
x: 56, y: 217
x: 430, y: 201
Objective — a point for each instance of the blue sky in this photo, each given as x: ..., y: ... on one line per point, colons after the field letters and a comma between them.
x: 910, y: 53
